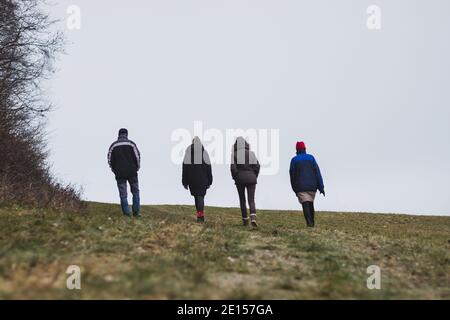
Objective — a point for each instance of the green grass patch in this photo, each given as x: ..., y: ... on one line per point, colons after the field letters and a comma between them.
x: 167, y: 255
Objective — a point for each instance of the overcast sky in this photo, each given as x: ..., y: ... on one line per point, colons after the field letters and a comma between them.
x: 373, y: 106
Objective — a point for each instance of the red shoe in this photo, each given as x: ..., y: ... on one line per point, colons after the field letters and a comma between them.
x: 200, y: 217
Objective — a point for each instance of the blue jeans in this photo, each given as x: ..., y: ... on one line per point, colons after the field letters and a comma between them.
x: 134, y: 186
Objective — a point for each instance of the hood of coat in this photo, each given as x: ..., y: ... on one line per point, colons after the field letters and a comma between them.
x: 241, y: 143
x: 195, y: 153
x: 197, y: 146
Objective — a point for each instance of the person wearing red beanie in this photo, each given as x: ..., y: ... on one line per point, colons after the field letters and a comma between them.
x: 300, y: 146
x: 306, y: 179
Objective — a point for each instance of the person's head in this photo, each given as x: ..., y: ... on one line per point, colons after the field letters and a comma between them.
x: 300, y: 146
x: 196, y: 141
x: 241, y: 143
x: 197, y: 151
x: 123, y: 132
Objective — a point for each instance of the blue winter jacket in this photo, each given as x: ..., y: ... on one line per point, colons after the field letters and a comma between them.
x: 305, y: 173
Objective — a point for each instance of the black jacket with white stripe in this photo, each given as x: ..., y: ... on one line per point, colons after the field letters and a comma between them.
x: 124, y: 158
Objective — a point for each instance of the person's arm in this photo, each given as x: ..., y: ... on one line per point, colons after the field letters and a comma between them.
x: 185, y: 168
x: 258, y: 168
x: 256, y: 165
x: 184, y: 176
x: 110, y: 157
x: 319, y: 178
x: 233, y: 166
x: 293, y: 174
x: 210, y: 176
x: 207, y: 164
x: 137, y: 155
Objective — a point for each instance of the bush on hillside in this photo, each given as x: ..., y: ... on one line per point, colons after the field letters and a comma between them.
x: 28, y: 47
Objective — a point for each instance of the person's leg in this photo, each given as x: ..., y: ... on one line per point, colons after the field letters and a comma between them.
x: 305, y: 199
x: 122, y: 186
x: 313, y: 212
x: 242, y: 203
x: 134, y: 185
x: 200, y: 207
x: 307, y: 212
x: 309, y: 199
x: 251, y: 189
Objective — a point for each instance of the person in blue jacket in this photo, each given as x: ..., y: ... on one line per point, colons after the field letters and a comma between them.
x: 306, y: 179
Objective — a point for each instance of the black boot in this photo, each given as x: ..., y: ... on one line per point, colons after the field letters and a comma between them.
x: 313, y: 212
x: 309, y: 215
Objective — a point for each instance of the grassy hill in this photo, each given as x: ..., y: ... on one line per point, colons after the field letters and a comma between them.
x: 166, y: 255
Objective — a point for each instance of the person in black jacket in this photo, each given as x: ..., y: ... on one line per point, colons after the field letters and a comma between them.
x: 124, y: 160
x: 197, y: 175
x: 245, y: 170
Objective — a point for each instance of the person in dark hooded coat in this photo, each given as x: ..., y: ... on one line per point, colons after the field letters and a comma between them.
x: 244, y: 171
x: 197, y: 175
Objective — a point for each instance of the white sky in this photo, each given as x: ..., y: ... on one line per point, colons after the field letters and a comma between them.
x: 372, y: 106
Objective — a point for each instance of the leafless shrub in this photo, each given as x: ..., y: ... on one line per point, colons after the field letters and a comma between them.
x: 28, y: 47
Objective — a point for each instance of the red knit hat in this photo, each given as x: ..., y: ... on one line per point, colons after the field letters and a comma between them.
x: 300, y: 146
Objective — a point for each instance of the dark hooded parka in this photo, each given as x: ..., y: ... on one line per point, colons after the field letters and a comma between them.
x: 197, y: 172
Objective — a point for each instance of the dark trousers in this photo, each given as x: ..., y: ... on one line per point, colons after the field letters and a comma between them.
x: 251, y: 200
x: 200, y: 203
x: 123, y: 193
x: 309, y: 212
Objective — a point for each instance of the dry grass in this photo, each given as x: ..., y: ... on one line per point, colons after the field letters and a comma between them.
x: 166, y: 255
